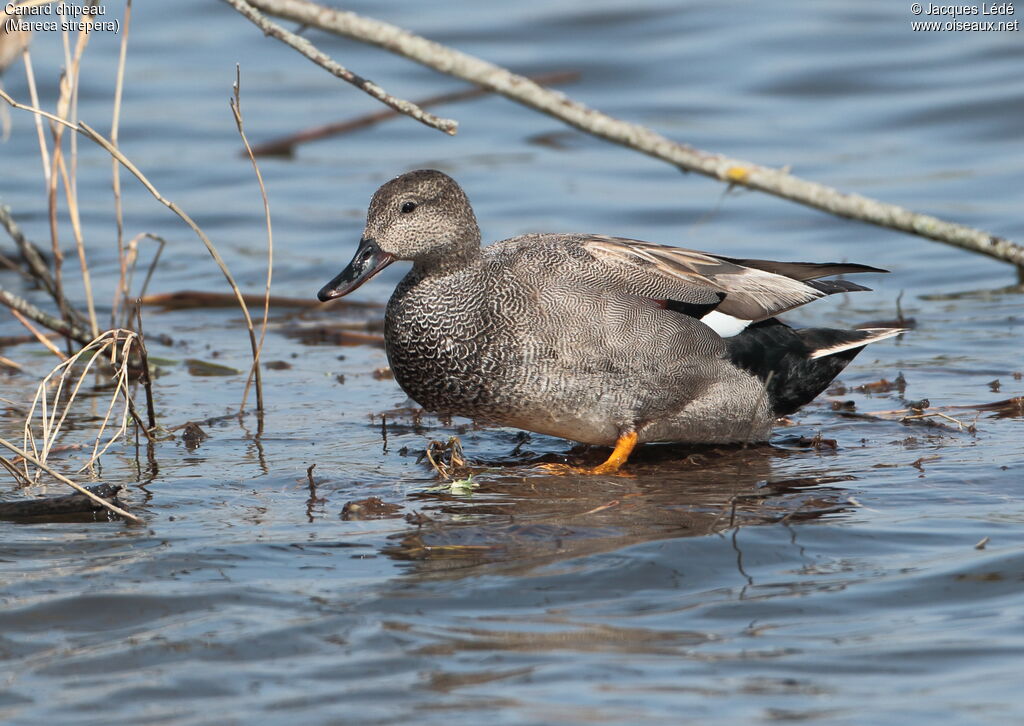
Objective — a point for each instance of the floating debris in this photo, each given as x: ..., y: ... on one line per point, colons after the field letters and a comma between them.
x: 193, y: 436
x: 370, y: 508
x: 70, y: 507
x: 444, y: 458
x: 204, y: 368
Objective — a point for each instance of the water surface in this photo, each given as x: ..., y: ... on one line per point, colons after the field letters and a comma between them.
x: 831, y: 576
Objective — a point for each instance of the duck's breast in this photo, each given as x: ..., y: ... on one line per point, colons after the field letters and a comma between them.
x: 451, y: 344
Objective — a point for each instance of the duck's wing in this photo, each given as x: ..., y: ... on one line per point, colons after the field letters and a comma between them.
x: 749, y: 290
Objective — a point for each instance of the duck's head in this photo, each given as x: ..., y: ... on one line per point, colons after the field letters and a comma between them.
x: 423, y: 216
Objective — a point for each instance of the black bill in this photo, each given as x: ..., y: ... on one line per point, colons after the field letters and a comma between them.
x: 368, y: 261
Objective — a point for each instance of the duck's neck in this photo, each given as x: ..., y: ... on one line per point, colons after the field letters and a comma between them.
x: 458, y: 255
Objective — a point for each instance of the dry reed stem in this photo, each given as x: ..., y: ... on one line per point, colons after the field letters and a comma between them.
x: 147, y: 381
x: 778, y: 182
x: 61, y: 375
x: 71, y: 180
x: 39, y: 336
x: 132, y: 258
x: 454, y: 448
x: 254, y: 372
x: 121, y: 295
x: 71, y: 194
x: 50, y: 424
x: 13, y: 470
x: 65, y: 106
x: 61, y: 478
x: 121, y: 387
x: 44, y: 154
x: 51, y: 190
x: 99, y: 139
x: 303, y: 46
x: 936, y: 414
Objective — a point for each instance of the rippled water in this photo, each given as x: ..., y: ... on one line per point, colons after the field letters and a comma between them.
x: 804, y: 580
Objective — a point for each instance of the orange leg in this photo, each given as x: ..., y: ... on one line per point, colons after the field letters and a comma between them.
x: 623, y: 448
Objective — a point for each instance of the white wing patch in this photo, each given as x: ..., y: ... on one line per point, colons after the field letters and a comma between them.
x: 725, y: 325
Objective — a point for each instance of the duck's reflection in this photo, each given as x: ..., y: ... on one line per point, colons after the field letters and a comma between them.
x: 513, y: 519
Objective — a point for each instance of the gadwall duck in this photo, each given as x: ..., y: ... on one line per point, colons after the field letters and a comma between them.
x: 601, y: 340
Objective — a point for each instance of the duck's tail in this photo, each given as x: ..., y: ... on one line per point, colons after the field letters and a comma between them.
x: 797, y: 365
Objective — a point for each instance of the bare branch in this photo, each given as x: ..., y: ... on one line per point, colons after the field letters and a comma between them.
x: 29, y: 252
x: 286, y: 144
x: 732, y: 171
x: 23, y: 306
x: 449, y: 126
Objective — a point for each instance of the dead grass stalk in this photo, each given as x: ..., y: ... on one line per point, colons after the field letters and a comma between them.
x: 254, y: 373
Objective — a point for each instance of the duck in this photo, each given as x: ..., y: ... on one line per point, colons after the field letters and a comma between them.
x: 597, y: 339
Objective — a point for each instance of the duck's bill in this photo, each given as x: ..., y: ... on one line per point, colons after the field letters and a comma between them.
x: 368, y: 261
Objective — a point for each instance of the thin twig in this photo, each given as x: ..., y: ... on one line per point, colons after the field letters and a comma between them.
x: 29, y: 252
x: 121, y: 296
x: 39, y: 336
x: 147, y: 382
x: 133, y: 256
x: 14, y: 471
x: 935, y: 414
x: 23, y: 306
x: 71, y: 195
x: 254, y: 372
x: 286, y: 144
x: 30, y: 76
x: 61, y: 478
x: 121, y: 375
x: 72, y: 371
x: 71, y: 180
x: 307, y: 49
x: 68, y: 82
x: 97, y: 137
x: 10, y: 264
x: 778, y: 182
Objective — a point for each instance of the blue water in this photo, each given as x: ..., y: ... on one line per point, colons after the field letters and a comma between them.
x: 793, y: 582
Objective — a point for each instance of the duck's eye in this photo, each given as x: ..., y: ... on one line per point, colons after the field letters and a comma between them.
x: 408, y: 207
